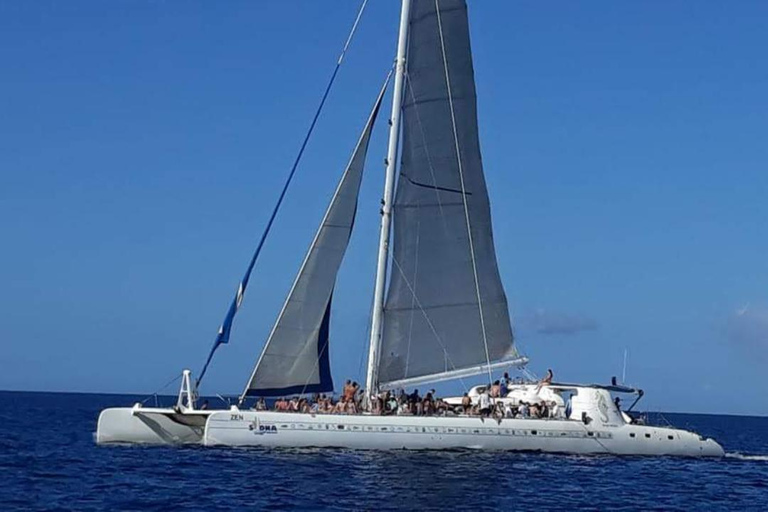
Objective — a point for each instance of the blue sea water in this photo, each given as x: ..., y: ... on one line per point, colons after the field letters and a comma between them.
x: 49, y: 461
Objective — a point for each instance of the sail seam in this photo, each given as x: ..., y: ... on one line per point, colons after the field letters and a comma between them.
x: 463, y: 188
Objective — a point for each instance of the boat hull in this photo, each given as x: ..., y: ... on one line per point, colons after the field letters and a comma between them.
x: 129, y: 425
x: 273, y: 429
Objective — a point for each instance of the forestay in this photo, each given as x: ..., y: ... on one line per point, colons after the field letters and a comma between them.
x: 295, y: 357
x: 446, y: 312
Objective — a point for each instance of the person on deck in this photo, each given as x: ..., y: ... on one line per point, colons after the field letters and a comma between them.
x: 495, y: 389
x: 547, y: 380
x: 485, y: 403
x: 466, y: 403
x: 414, y: 401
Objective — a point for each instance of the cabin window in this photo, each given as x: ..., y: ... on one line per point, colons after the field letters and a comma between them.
x: 590, y: 434
x: 340, y: 427
x: 632, y: 434
x: 534, y: 432
x: 648, y: 436
x: 670, y: 438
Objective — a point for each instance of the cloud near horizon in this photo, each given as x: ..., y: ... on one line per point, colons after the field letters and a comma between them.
x: 547, y: 322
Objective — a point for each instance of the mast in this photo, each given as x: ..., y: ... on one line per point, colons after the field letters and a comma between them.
x: 386, y: 209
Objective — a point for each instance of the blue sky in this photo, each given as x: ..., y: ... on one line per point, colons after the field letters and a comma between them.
x: 142, y: 145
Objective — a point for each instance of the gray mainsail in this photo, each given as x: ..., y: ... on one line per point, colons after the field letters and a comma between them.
x: 295, y: 357
x: 446, y: 313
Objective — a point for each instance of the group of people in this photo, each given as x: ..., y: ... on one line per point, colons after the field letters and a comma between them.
x: 352, y: 401
x: 349, y: 402
x: 404, y: 404
x: 488, y: 406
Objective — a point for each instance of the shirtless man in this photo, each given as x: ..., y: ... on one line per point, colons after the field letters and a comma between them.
x: 466, y: 403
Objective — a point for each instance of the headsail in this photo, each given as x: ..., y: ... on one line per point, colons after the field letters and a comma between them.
x: 446, y: 312
x: 295, y: 357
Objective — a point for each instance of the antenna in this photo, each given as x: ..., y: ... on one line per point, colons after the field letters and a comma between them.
x: 624, y: 370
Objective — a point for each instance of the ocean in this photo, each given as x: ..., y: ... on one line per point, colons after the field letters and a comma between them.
x: 49, y: 461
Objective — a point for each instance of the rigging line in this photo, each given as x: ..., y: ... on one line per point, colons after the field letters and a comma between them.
x: 426, y: 317
x: 177, y: 377
x: 223, y: 334
x: 413, y: 297
x: 463, y: 189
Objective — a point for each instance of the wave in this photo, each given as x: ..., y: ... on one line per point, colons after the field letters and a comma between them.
x: 742, y: 456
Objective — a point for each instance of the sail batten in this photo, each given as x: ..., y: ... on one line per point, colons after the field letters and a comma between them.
x: 446, y: 311
x: 295, y: 358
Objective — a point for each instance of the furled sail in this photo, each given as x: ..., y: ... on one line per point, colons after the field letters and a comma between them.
x: 295, y: 357
x: 446, y: 312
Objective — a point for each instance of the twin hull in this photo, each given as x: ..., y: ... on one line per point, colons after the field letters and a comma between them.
x: 274, y: 429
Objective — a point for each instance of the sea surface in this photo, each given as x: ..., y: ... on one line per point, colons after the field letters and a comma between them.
x: 49, y: 461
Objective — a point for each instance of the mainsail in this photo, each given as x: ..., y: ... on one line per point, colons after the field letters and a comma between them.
x: 295, y: 357
x: 446, y: 313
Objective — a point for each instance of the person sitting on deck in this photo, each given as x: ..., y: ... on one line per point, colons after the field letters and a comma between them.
x: 522, y: 411
x: 466, y: 403
x: 428, y: 405
x: 339, y: 408
x: 547, y: 380
x: 261, y: 404
x: 282, y: 405
x: 508, y: 412
x: 503, y: 387
x: 348, y: 392
x: 391, y: 403
x: 543, y: 410
x: 495, y: 389
x: 414, y: 400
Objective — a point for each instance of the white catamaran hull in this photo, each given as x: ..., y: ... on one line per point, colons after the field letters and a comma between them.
x: 149, y: 426
x: 273, y: 429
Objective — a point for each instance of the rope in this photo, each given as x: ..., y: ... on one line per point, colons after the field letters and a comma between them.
x: 177, y: 377
x: 463, y: 190
x: 241, y: 289
x: 426, y: 317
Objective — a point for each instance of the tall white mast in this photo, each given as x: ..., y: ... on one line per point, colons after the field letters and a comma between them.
x: 372, y: 381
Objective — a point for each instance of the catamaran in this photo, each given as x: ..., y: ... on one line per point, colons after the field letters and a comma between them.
x: 441, y: 314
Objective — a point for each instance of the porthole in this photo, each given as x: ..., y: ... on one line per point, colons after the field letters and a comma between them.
x: 590, y: 434
x: 340, y: 427
x: 632, y: 434
x: 648, y: 436
x: 671, y: 438
x: 534, y: 432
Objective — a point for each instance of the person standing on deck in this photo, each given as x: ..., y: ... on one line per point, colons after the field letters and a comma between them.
x: 485, y: 402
